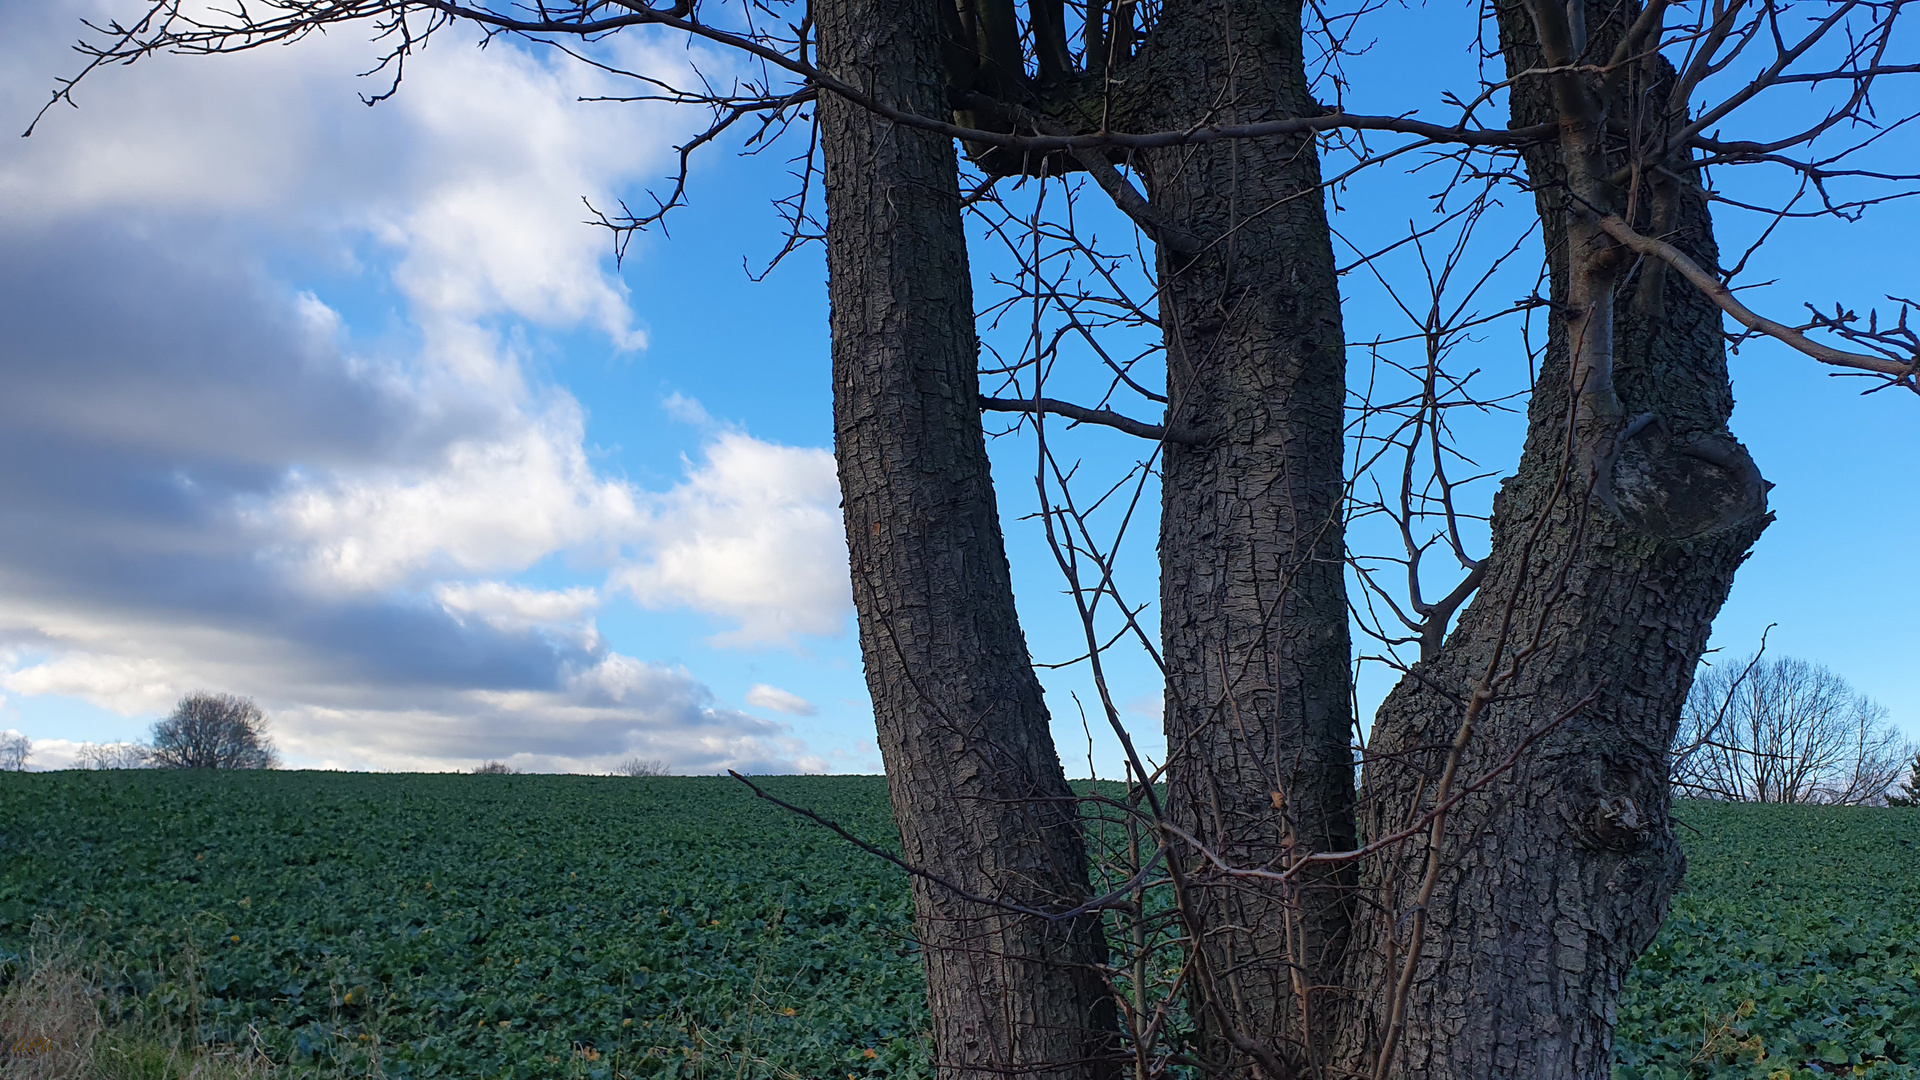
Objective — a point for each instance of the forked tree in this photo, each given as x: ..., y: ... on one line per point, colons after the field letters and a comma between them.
x: 1242, y: 911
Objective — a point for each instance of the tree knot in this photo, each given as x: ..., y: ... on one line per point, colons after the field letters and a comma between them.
x: 1618, y: 813
x: 1678, y: 488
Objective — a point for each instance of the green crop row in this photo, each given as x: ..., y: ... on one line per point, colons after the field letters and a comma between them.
x: 1792, y: 952
x: 546, y: 926
x: 495, y: 926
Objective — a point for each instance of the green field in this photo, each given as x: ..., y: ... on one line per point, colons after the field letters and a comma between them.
x: 545, y: 926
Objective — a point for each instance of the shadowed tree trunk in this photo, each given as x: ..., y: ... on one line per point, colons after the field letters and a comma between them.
x: 1253, y: 603
x: 1550, y: 881
x: 976, y: 784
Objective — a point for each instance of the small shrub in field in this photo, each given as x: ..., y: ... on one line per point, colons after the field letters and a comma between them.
x: 634, y: 766
x: 494, y: 768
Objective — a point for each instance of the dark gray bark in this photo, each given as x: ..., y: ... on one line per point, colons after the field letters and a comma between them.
x: 976, y: 784
x: 1549, y: 881
x: 1253, y: 609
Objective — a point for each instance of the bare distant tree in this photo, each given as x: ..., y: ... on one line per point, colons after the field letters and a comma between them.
x: 214, y: 731
x: 494, y: 768
x: 126, y: 755
x: 1784, y: 731
x: 14, y: 751
x: 1910, y: 791
x: 635, y: 766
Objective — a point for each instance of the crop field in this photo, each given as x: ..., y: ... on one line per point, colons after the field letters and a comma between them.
x: 556, y: 926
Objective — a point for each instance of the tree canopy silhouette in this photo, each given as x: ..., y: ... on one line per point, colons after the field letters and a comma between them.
x: 213, y: 731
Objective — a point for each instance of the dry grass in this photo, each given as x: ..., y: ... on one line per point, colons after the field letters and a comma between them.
x: 49, y: 1018
x: 51, y: 1029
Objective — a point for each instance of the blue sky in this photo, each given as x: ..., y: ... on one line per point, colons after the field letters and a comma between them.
x: 347, y: 409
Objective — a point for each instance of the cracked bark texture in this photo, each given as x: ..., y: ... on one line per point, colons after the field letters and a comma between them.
x: 976, y: 784
x: 1253, y: 611
x: 1558, y: 875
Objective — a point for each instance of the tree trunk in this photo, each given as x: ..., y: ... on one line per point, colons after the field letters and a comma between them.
x: 1253, y: 609
x: 1550, y: 880
x: 976, y: 784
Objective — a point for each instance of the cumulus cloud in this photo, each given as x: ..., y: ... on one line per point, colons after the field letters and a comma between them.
x: 480, y: 675
x: 784, y: 701
x: 486, y: 504
x: 753, y: 534
x: 689, y: 411
x: 216, y: 483
x: 501, y: 231
x: 127, y: 685
x: 614, y: 709
x: 49, y: 754
x: 597, y: 716
x: 506, y: 605
x: 471, y: 176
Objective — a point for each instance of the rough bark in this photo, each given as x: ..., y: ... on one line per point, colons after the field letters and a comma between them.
x: 1253, y: 611
x: 976, y: 784
x: 1549, y: 882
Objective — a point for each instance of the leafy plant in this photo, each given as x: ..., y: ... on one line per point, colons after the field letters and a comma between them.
x: 559, y: 926
x: 532, y: 927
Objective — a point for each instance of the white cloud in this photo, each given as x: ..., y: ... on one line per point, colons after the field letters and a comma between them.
x: 485, y: 505
x: 471, y: 178
x: 47, y: 755
x: 129, y: 685
x: 513, y: 606
x: 784, y: 701
x: 614, y: 709
x: 753, y: 534
x: 584, y: 720
x: 242, y: 496
x: 688, y: 411
x: 473, y: 174
x: 512, y: 152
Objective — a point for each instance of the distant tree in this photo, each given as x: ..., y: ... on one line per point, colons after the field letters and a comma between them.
x: 494, y: 768
x: 1784, y: 731
x: 14, y: 751
x: 126, y: 755
x: 214, y: 731
x: 1909, y: 791
x: 634, y: 766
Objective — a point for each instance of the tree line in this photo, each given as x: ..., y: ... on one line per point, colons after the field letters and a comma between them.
x: 205, y: 731
x: 1788, y: 731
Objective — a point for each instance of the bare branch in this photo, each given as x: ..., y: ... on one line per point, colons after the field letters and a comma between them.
x: 1900, y: 372
x: 1082, y: 414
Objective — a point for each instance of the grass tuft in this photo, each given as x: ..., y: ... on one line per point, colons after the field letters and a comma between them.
x: 52, y: 1028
